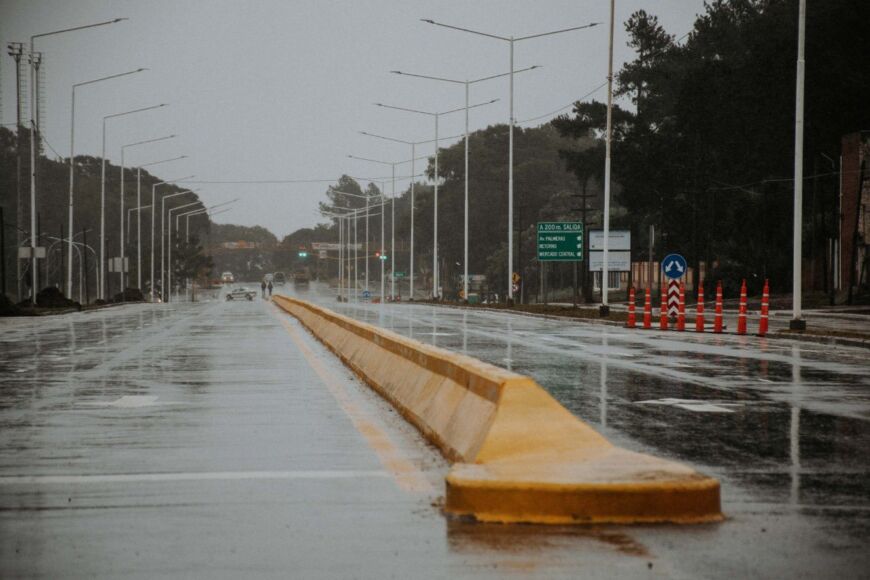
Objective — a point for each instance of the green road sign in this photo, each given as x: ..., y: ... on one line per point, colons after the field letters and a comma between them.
x: 560, y: 241
x: 398, y: 274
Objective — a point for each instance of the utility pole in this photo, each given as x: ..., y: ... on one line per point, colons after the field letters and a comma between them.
x: 797, y: 322
x: 604, y: 309
x: 583, y: 209
x: 2, y: 252
x: 85, y: 268
x: 16, y: 51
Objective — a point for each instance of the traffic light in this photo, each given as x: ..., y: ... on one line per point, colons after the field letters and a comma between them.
x: 380, y: 256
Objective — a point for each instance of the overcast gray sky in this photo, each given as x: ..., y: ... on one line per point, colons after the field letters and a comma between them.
x: 278, y: 89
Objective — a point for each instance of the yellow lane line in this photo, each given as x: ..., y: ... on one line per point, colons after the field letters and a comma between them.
x: 405, y: 473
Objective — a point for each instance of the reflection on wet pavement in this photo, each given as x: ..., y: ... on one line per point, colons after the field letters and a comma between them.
x: 784, y: 424
x: 219, y: 439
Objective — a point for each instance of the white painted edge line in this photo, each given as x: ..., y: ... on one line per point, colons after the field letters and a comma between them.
x: 191, y: 476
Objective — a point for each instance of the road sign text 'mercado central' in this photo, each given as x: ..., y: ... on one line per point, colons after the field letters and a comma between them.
x: 560, y: 241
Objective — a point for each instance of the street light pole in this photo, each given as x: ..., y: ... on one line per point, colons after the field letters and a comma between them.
x: 123, y: 247
x: 72, y: 127
x: 466, y: 84
x: 35, y: 60
x: 139, y: 217
x: 154, y: 206
x: 436, y: 115
x: 797, y: 322
x: 604, y: 309
x: 169, y: 252
x: 177, y: 218
x: 511, y: 41
x: 392, y: 165
x: 163, y: 230
x: 101, y: 292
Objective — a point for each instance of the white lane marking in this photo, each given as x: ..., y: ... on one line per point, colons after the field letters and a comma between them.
x: 407, y: 476
x: 694, y: 405
x: 127, y: 402
x: 194, y: 476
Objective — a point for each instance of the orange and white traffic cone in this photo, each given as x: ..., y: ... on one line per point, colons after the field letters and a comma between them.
x: 699, y: 309
x: 765, y: 308
x: 647, y: 310
x: 663, y: 311
x: 632, y: 321
x: 717, y: 320
x: 681, y: 312
x: 741, y: 313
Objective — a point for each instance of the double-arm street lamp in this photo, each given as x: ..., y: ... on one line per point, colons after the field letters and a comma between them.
x: 511, y: 40
x: 34, y: 63
x: 436, y: 116
x: 123, y: 246
x: 467, y: 84
x: 72, y: 128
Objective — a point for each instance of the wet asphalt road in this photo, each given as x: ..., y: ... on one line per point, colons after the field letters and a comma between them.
x: 219, y: 439
x: 784, y: 424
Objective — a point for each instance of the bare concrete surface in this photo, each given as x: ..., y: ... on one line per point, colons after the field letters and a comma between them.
x: 784, y: 424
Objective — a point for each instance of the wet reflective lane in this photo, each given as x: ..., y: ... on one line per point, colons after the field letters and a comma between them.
x: 220, y: 440
x: 785, y: 425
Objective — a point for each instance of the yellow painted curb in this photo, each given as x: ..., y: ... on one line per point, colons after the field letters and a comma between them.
x: 519, y: 455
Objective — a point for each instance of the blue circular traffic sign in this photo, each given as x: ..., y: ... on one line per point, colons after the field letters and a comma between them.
x: 674, y: 266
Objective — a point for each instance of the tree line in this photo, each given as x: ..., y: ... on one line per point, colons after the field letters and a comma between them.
x: 703, y: 150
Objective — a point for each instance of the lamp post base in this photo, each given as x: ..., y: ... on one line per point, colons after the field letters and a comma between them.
x: 797, y: 324
x: 604, y: 311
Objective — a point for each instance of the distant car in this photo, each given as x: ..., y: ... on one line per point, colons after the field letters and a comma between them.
x: 300, y: 278
x: 279, y: 278
x: 242, y: 293
x: 227, y: 278
x: 267, y: 278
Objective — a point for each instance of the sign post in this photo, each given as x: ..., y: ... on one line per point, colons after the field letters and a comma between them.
x: 674, y: 266
x: 618, y: 253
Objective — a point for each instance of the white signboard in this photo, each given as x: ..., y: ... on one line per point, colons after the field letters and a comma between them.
x: 619, y: 240
x: 115, y: 264
x: 618, y: 261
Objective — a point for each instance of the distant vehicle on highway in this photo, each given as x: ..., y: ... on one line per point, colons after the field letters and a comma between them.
x: 280, y: 278
x: 300, y: 278
x: 241, y: 293
x: 227, y: 278
x: 267, y: 278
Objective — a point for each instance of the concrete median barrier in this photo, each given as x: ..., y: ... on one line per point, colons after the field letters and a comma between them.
x: 518, y: 455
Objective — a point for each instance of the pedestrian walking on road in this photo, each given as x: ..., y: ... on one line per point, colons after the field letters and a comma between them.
x: 270, y: 288
x: 263, y: 288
